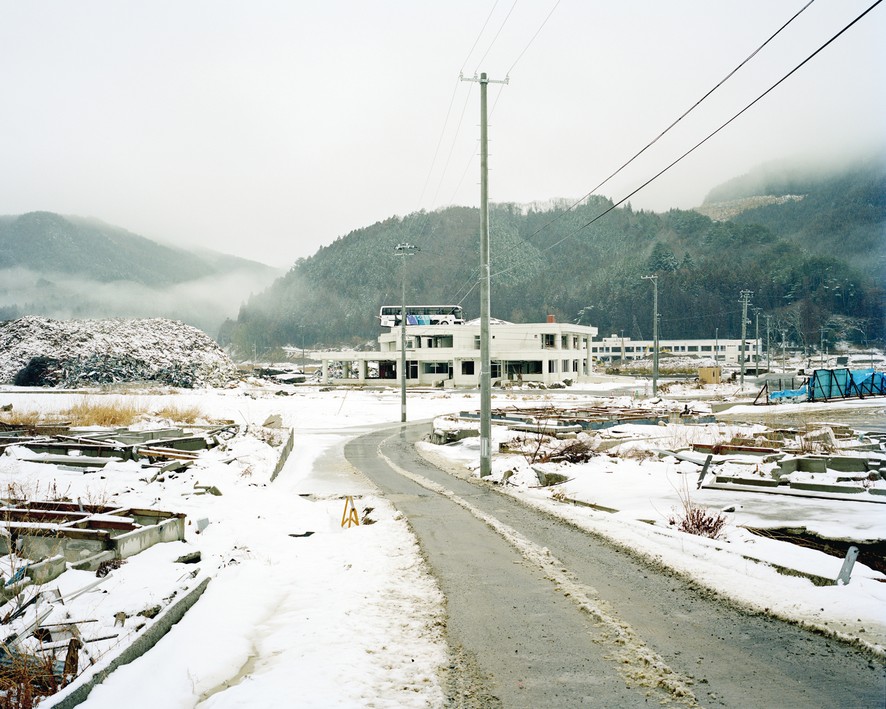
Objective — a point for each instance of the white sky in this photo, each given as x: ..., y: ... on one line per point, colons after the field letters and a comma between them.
x: 267, y: 129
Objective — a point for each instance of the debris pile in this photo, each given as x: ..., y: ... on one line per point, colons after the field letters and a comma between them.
x: 38, y: 351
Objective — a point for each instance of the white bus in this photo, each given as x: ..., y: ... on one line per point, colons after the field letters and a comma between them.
x: 389, y: 315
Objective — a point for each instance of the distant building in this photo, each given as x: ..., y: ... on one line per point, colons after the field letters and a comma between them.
x: 450, y: 355
x: 615, y: 348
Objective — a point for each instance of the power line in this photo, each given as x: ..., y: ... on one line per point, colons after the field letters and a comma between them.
x: 532, y: 39
x: 494, y: 39
x: 479, y: 34
x: 449, y: 113
x: 674, y: 123
x: 710, y: 135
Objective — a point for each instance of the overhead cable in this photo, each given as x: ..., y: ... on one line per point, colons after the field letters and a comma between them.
x: 712, y: 134
x: 674, y: 123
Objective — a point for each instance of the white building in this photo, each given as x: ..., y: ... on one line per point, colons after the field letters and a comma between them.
x: 450, y: 355
x: 614, y: 347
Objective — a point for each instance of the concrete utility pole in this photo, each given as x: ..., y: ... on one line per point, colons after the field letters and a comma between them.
x: 784, y: 351
x: 654, y: 280
x: 757, y: 341
x: 768, y: 364
x: 403, y: 250
x: 485, y: 307
x: 821, y: 348
x: 745, y: 296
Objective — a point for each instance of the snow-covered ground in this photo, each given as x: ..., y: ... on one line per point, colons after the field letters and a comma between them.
x: 350, y: 617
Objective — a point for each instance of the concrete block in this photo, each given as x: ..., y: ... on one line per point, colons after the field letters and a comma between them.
x: 847, y: 464
x: 47, y: 570
x: 131, y: 543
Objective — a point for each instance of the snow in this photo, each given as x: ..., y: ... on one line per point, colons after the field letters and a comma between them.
x: 110, y: 351
x: 351, y: 617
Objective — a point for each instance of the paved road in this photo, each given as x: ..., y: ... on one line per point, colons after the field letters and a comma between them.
x: 541, y: 614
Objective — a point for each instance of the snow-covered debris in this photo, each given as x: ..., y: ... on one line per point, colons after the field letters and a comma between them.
x: 70, y: 353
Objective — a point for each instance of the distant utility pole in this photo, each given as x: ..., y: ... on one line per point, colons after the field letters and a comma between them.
x: 757, y: 341
x: 654, y: 280
x: 768, y: 364
x: 784, y: 351
x: 485, y: 307
x: 821, y: 349
x: 403, y: 250
x: 745, y: 296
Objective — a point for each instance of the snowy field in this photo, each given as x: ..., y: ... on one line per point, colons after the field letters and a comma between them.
x: 350, y: 617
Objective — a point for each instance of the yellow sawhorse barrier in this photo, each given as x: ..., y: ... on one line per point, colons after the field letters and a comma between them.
x: 349, y: 516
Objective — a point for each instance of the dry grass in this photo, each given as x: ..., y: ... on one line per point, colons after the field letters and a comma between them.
x: 20, y: 418
x: 697, y: 520
x: 181, y: 414
x: 101, y: 411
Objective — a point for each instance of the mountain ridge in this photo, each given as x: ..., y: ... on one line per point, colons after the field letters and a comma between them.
x: 80, y: 267
x: 812, y: 262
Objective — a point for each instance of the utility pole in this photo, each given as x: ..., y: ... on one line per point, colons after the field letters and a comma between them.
x: 768, y: 364
x: 757, y: 341
x: 403, y: 250
x: 654, y: 280
x: 821, y: 348
x: 745, y: 296
x: 717, y: 344
x: 485, y: 307
x: 784, y: 351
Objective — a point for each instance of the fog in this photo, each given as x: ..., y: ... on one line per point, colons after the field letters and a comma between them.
x: 203, y: 303
x: 268, y: 129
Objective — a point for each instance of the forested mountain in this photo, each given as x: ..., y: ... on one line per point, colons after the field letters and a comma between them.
x: 63, y: 267
x: 812, y: 261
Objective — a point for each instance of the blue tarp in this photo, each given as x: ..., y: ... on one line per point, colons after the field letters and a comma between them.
x: 825, y: 384
x: 789, y: 393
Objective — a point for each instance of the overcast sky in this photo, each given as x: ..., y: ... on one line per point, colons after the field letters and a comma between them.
x: 269, y: 128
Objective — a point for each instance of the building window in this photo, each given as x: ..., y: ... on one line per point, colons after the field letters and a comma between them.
x: 552, y: 366
x: 467, y: 367
x: 496, y: 369
x: 436, y: 367
x: 476, y: 342
x: 693, y: 348
x: 548, y: 341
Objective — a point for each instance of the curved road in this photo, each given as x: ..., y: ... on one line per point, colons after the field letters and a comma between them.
x: 541, y: 614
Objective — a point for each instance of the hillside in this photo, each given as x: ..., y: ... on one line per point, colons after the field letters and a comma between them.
x: 69, y: 267
x: 549, y: 261
x: 814, y: 209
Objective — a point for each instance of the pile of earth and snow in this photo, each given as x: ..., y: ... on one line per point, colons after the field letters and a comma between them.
x: 37, y: 351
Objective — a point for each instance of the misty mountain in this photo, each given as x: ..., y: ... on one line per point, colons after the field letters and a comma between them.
x: 71, y: 267
x: 841, y: 209
x: 814, y: 259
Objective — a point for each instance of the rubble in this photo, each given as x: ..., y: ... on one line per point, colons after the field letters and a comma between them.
x: 38, y: 351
